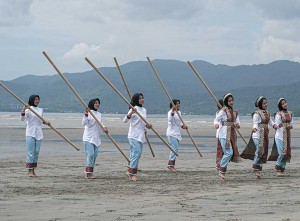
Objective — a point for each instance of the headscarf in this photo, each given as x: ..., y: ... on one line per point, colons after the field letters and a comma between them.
x: 31, y: 100
x: 259, y: 102
x: 135, y: 99
x: 92, y: 103
x: 174, y: 102
x: 226, y: 97
x: 220, y: 102
x: 279, y: 104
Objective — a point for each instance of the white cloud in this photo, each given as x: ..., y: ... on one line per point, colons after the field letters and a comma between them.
x: 282, y: 29
x: 73, y: 59
x: 272, y: 48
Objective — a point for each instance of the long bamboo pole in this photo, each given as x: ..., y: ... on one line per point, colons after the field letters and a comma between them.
x: 125, y: 84
x: 171, y: 101
x: 83, y: 103
x: 123, y: 79
x: 211, y: 93
x: 128, y: 103
x: 39, y: 116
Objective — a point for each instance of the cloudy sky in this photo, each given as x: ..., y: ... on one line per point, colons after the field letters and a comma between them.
x: 229, y: 32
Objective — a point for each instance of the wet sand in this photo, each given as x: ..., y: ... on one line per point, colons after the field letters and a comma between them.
x: 195, y: 192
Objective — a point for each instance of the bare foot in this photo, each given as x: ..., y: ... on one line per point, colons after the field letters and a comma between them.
x: 31, y: 173
x: 280, y: 174
x: 222, y: 176
x: 257, y: 174
x: 129, y: 176
x: 34, y: 172
x: 87, y: 175
x: 172, y: 169
x: 132, y: 177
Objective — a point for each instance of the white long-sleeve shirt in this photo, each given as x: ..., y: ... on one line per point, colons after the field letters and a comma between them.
x: 137, y: 125
x: 174, y: 125
x: 92, y: 129
x: 217, y: 123
x: 34, y: 124
x: 279, y: 131
x: 221, y: 118
x: 256, y: 122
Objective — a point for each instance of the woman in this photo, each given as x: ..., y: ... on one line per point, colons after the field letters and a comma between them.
x: 260, y: 134
x: 281, y: 152
x: 173, y: 132
x: 91, y: 136
x: 217, y: 125
x: 228, y: 119
x: 34, y: 133
x: 136, y: 133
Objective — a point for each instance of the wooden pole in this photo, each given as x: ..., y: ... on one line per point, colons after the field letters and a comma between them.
x: 211, y: 93
x: 128, y: 103
x: 39, y: 116
x: 83, y: 103
x: 171, y: 101
x: 125, y: 84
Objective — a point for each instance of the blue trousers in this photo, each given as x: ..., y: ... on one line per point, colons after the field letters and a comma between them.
x: 33, y: 147
x: 256, y: 158
x: 228, y: 152
x: 279, y: 144
x: 174, y: 143
x: 91, y: 152
x: 136, y: 148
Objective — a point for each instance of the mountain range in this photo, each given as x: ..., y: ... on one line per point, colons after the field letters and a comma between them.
x: 245, y: 82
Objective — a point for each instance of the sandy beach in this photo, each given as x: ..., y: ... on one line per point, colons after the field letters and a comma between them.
x: 195, y: 192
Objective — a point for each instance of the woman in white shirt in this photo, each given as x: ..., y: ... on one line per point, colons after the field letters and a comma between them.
x: 281, y: 152
x: 34, y: 133
x: 217, y: 125
x: 260, y: 133
x: 228, y: 119
x: 173, y: 132
x: 91, y: 136
x: 136, y: 133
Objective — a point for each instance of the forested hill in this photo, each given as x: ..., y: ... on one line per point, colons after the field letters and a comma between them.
x: 246, y: 82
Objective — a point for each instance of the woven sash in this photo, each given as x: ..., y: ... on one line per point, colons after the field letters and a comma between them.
x: 286, y: 118
x: 231, y: 117
x: 231, y: 134
x: 264, y: 135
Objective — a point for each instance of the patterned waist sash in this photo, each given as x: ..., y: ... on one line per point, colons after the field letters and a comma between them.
x: 286, y: 142
x: 231, y: 135
x: 261, y: 125
x: 263, y: 142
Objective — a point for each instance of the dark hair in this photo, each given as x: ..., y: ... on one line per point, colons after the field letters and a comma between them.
x: 174, y: 102
x: 92, y: 103
x: 220, y: 102
x: 32, y: 98
x: 135, y: 99
x: 259, y: 101
x: 280, y: 104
